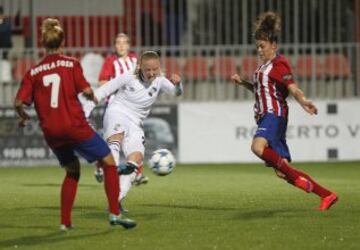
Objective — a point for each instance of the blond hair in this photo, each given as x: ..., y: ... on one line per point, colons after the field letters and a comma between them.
x: 147, y: 55
x: 52, y: 34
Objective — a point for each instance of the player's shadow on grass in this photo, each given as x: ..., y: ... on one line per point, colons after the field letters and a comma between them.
x: 41, y: 185
x: 89, y: 212
x: 55, y: 185
x: 250, y: 215
x: 57, y: 208
x: 196, y: 207
x: 263, y: 214
x: 12, y: 226
x: 50, y: 238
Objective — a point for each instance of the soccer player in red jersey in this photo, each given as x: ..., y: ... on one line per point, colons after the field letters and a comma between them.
x: 271, y: 84
x: 53, y: 86
x: 121, y: 62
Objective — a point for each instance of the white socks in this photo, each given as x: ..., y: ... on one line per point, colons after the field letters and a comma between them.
x: 115, y: 151
x: 125, y: 184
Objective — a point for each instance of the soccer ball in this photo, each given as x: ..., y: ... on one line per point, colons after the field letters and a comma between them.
x: 162, y: 162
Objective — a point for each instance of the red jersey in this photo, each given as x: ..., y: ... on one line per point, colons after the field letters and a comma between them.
x: 115, y: 66
x: 53, y: 86
x: 271, y: 81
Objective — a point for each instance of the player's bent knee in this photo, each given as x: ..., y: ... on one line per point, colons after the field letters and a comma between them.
x: 73, y: 169
x: 116, y: 138
x: 257, y: 149
x: 74, y: 175
x: 73, y: 166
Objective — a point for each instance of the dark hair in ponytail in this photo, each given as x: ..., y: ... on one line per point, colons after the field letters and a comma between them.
x: 267, y: 27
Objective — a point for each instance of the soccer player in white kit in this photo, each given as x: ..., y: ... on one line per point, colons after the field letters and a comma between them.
x: 134, y: 95
x: 121, y: 62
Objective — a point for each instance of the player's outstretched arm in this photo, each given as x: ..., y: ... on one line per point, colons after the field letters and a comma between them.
x: 299, y: 96
x: 236, y: 79
x: 112, y: 86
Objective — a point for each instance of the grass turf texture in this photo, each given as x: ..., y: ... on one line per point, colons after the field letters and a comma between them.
x: 196, y: 207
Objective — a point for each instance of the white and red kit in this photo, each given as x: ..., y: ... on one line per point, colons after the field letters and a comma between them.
x: 271, y: 82
x: 115, y: 66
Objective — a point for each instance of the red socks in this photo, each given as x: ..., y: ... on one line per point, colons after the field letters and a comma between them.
x: 69, y: 189
x: 270, y: 156
x: 112, y: 189
x: 68, y: 193
x: 275, y: 159
x: 317, y: 189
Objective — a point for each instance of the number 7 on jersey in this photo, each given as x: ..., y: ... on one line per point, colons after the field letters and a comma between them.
x: 54, y: 80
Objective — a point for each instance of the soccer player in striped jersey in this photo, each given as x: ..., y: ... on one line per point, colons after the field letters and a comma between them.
x: 272, y: 82
x: 53, y: 85
x: 121, y: 62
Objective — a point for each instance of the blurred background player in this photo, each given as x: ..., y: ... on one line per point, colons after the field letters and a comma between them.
x: 5, y: 33
x: 134, y: 95
x: 121, y: 62
x: 53, y: 86
x: 272, y: 82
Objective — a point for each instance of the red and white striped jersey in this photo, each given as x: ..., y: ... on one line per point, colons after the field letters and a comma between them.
x: 271, y: 81
x: 115, y: 66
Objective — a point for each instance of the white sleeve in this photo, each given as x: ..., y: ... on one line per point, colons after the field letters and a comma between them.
x: 112, y: 86
x: 169, y: 88
x: 87, y: 105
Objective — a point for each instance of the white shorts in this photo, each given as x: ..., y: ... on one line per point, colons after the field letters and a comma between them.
x: 116, y: 122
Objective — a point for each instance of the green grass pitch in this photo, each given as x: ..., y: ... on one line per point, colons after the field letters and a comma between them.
x: 196, y: 207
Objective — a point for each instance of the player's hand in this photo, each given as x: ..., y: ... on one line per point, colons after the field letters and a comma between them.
x: 175, y: 79
x: 236, y: 79
x: 23, y: 118
x: 22, y: 122
x: 88, y: 94
x: 19, y: 107
x: 309, y: 107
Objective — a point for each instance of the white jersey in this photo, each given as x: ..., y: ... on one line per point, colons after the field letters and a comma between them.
x: 134, y: 97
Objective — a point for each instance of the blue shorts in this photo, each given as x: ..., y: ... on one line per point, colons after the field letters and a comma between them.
x: 93, y: 149
x: 273, y: 129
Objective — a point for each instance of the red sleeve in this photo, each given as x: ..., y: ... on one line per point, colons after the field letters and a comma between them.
x: 25, y: 93
x: 80, y: 81
x: 283, y: 73
x: 107, y: 71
